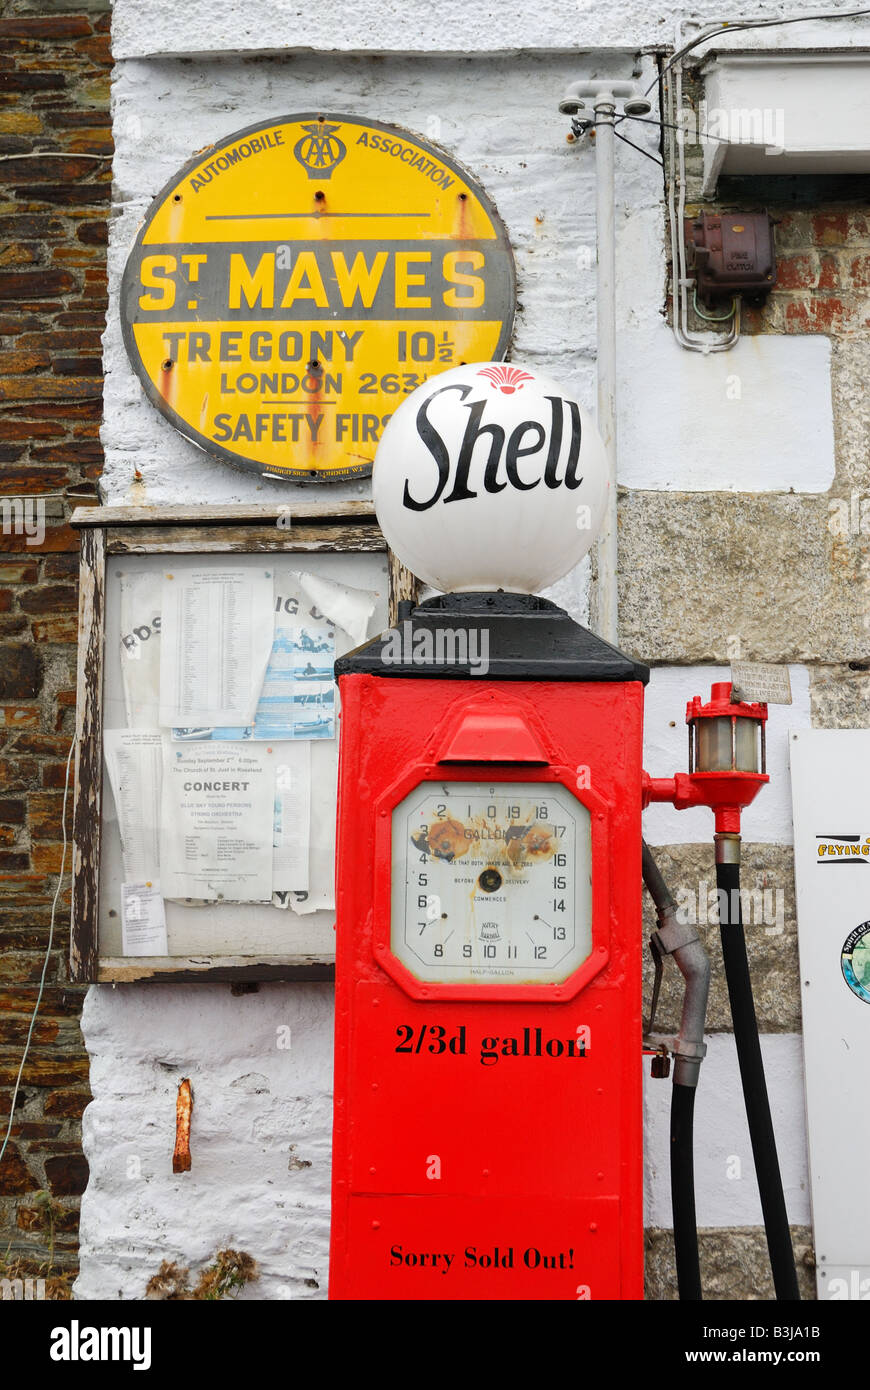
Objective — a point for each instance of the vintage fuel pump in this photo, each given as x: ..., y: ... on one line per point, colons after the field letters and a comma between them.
x: 488, y: 1119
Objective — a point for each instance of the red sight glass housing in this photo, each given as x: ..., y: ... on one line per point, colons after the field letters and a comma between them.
x: 727, y: 769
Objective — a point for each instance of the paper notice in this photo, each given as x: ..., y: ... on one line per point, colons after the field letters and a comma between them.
x: 217, y: 820
x: 297, y: 700
x: 298, y: 697
x: 349, y: 609
x: 140, y: 646
x: 217, y: 629
x: 134, y: 762
x: 143, y: 920
x: 292, y: 814
x: 321, y: 843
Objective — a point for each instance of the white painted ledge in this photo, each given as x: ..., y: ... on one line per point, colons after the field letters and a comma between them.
x: 143, y: 28
x: 787, y: 113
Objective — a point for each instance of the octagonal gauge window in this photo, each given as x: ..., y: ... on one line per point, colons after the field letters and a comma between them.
x: 491, y: 883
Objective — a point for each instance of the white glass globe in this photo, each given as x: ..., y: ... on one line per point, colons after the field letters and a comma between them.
x: 489, y: 477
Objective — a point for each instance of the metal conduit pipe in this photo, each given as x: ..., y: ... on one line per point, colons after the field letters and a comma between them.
x: 602, y: 96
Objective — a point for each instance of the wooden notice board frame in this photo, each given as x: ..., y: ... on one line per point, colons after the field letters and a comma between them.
x: 300, y: 528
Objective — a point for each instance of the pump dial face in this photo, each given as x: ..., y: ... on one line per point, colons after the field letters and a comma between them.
x: 491, y: 883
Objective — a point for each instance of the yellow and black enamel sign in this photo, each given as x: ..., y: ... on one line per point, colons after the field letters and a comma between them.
x: 291, y: 285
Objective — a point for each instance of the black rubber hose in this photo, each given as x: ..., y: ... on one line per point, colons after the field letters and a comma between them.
x: 683, y: 1194
x: 754, y: 1085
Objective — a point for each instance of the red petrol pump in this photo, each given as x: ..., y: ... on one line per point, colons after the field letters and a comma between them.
x: 488, y: 1121
x: 487, y: 1114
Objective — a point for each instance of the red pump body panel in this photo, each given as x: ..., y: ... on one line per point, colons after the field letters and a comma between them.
x: 493, y: 1156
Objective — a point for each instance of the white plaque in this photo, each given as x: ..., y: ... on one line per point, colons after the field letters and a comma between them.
x: 761, y: 681
x: 830, y: 771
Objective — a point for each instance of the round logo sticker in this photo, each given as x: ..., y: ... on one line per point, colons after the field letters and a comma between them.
x: 855, y: 961
x: 292, y: 284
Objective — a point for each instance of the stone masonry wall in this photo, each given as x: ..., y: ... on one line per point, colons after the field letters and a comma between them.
x: 55, y: 171
x: 714, y: 547
x: 706, y: 554
x: 783, y: 577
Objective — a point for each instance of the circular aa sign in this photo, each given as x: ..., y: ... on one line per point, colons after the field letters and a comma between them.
x: 490, y: 477
x: 293, y: 283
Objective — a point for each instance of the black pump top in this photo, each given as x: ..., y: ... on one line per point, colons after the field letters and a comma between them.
x: 499, y: 636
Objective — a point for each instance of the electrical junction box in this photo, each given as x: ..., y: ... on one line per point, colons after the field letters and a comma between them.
x: 487, y: 1139
x: 732, y: 254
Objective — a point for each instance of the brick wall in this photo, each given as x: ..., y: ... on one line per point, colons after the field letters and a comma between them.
x: 55, y: 152
x: 822, y: 242
x: 822, y: 239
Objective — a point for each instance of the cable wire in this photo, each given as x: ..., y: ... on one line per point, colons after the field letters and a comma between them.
x: 669, y: 125
x: 713, y: 318
x: 625, y: 140
x: 45, y: 962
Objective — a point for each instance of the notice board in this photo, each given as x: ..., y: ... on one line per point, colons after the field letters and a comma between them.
x: 206, y: 755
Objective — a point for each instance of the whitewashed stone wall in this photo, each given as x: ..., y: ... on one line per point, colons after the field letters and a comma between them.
x: 262, y: 1123
x: 485, y: 84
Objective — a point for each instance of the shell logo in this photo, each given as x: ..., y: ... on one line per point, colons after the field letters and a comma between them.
x: 506, y: 379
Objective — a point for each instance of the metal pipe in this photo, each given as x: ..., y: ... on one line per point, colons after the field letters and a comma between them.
x: 608, y: 594
x: 683, y: 943
x: 675, y: 173
x: 602, y: 95
x: 654, y: 883
x: 694, y: 966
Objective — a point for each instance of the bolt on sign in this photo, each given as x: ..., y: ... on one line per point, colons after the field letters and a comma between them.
x: 293, y: 283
